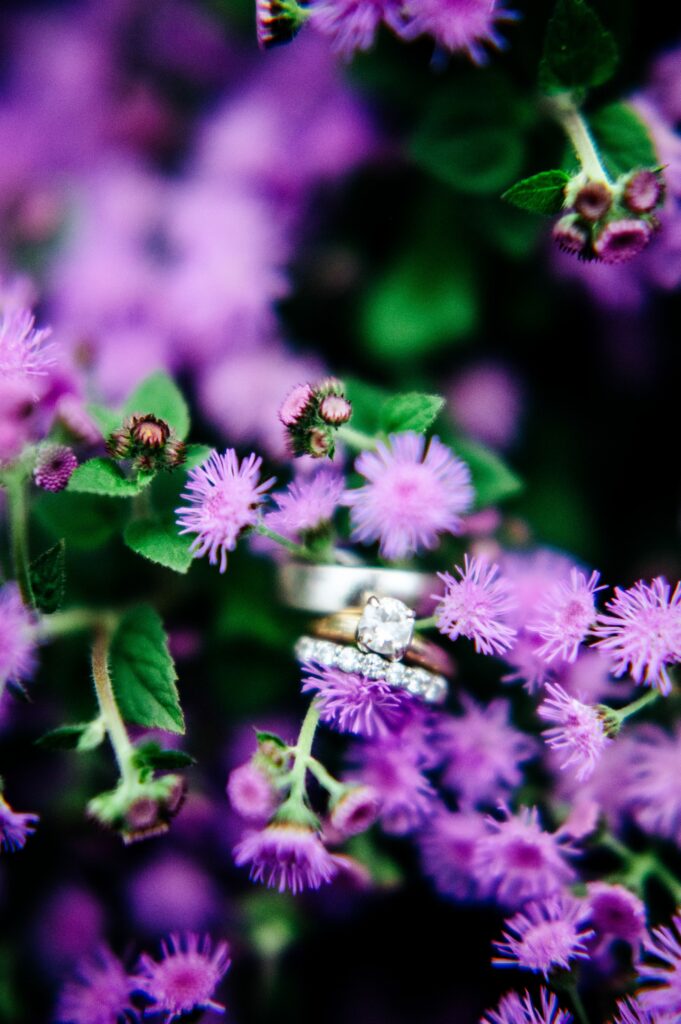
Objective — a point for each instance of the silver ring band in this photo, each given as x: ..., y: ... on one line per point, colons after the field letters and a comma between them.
x: 429, y: 686
x: 331, y: 588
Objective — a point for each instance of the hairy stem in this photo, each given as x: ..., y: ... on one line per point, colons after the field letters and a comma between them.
x: 358, y: 440
x: 18, y: 528
x: 302, y: 754
x: 429, y: 623
x: 332, y: 786
x: 563, y: 109
x: 299, y: 550
x: 637, y: 705
x: 111, y: 716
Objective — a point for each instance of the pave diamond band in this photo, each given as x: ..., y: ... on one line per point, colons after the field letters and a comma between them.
x: 429, y: 686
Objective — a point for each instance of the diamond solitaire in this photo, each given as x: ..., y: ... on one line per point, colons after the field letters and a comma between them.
x: 386, y: 627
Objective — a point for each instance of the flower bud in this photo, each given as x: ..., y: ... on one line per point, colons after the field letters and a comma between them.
x: 621, y: 240
x: 276, y: 22
x: 251, y: 792
x: 296, y: 405
x: 593, y: 200
x: 149, y: 431
x: 335, y: 410
x: 54, y: 466
x: 319, y: 443
x: 356, y: 810
x: 570, y: 236
x: 643, y: 191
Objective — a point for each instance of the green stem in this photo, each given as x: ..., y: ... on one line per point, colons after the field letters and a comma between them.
x: 429, y: 623
x: 333, y: 787
x: 563, y: 109
x: 302, y: 754
x: 636, y: 705
x: 299, y: 550
x: 641, y: 866
x: 18, y: 528
x: 578, y: 1004
x: 75, y: 620
x: 356, y: 439
x: 111, y: 716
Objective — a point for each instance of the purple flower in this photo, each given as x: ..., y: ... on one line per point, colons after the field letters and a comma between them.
x: 286, y: 856
x: 621, y: 240
x: 24, y: 354
x: 458, y: 25
x: 306, y: 505
x: 532, y: 575
x: 641, y: 631
x: 566, y: 616
x: 351, y: 703
x: 55, y: 464
x: 393, y: 767
x: 616, y: 913
x: 651, y: 783
x: 352, y: 24
x: 485, y: 401
x: 412, y: 495
x: 475, y: 606
x: 579, y: 733
x: 185, y: 978
x: 630, y: 1011
x: 516, y: 1009
x: 482, y: 752
x: 17, y: 637
x: 251, y: 792
x: 223, y: 497
x: 544, y: 935
x: 99, y: 994
x: 172, y: 891
x: 355, y: 811
x: 526, y: 663
x: 15, y: 827
x: 520, y: 860
x: 662, y: 970
x: 448, y: 844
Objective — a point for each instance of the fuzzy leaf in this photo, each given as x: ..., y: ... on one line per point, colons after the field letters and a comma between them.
x: 160, y: 542
x: 102, y: 476
x: 492, y: 479
x: 623, y: 139
x: 152, y: 755
x: 48, y: 578
x: 143, y: 672
x: 542, y: 193
x: 412, y: 410
x: 578, y: 51
x: 85, y: 521
x: 196, y: 454
x: 160, y: 395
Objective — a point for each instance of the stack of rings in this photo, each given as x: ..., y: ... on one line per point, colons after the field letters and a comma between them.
x: 374, y: 637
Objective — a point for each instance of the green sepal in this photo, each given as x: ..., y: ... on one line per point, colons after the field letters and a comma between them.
x: 152, y: 755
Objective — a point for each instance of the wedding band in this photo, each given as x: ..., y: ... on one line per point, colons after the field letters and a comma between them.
x: 429, y: 686
x: 331, y: 588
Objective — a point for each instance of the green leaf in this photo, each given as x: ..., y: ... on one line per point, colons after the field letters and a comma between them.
x: 160, y: 542
x: 410, y: 411
x: 105, y: 418
x: 270, y: 737
x: 367, y: 401
x: 424, y: 301
x: 102, y: 476
x: 84, y: 521
x: 623, y: 139
x: 196, y: 454
x: 143, y: 672
x: 152, y: 755
x: 48, y: 578
x: 471, y: 139
x: 542, y: 193
x: 160, y: 395
x: 578, y: 51
x: 492, y: 479
x: 82, y: 736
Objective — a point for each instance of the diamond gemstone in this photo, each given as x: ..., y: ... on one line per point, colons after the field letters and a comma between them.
x: 395, y: 674
x: 374, y: 667
x: 348, y: 659
x: 386, y: 627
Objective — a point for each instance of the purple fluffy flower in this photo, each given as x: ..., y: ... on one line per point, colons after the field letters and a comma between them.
x: 579, y: 733
x: 99, y: 994
x: 223, y: 497
x: 516, y: 1009
x: 413, y: 494
x: 651, y: 783
x: 621, y: 240
x: 485, y: 401
x: 458, y: 25
x: 544, y: 935
x: 616, y: 913
x: 566, y: 616
x: 641, y: 631
x: 24, y: 354
x: 308, y: 504
x: 475, y: 605
x: 15, y: 827
x: 352, y: 24
x: 630, y: 1011
x: 251, y: 792
x: 448, y: 844
x: 393, y: 767
x: 351, y: 703
x: 522, y: 861
x: 286, y: 856
x: 17, y: 637
x: 482, y: 752
x: 355, y: 811
x: 185, y: 978
x: 662, y: 970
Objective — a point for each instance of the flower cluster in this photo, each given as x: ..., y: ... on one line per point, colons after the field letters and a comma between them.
x: 311, y: 415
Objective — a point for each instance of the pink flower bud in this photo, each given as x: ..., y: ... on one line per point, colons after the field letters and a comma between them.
x: 334, y: 409
x: 251, y: 793
x: 356, y: 810
x: 593, y: 200
x: 54, y: 467
x: 296, y: 404
x: 644, y: 191
x: 570, y: 236
x: 620, y: 240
